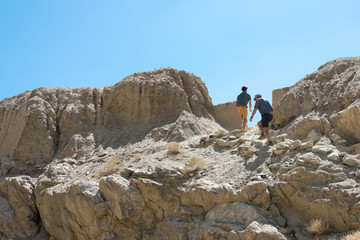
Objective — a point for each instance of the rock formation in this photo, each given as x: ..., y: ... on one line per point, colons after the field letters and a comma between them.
x: 150, y: 158
x: 327, y: 98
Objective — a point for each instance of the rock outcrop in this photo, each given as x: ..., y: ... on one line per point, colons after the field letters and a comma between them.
x: 323, y: 100
x: 146, y: 159
x: 38, y: 126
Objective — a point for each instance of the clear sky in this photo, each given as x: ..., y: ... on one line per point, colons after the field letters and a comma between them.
x: 229, y: 43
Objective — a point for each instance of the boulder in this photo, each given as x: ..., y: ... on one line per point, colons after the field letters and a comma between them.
x: 295, y: 145
x: 256, y: 193
x: 351, y: 160
x: 258, y: 231
x: 304, y: 194
x: 324, y: 146
x: 306, y: 145
x: 346, y: 120
x: 236, y: 212
x: 334, y: 156
x: 355, y: 149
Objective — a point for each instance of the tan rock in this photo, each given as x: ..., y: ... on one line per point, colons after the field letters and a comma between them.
x: 283, y: 145
x: 256, y: 193
x: 303, y: 193
x: 99, y: 168
x: 346, y: 120
x: 10, y: 226
x: 218, y: 132
x: 206, y: 196
x: 336, y: 138
x: 306, y: 145
x: 258, y: 231
x: 280, y: 151
x: 323, y: 149
x: 323, y: 146
x: 246, y: 149
x: 350, y: 160
x: 19, y: 216
x: 334, y: 156
x: 320, y: 90
x: 163, y: 201
x: 313, y: 135
x: 235, y: 132
x: 295, y: 145
x: 72, y: 122
x: 224, y: 115
x: 355, y: 149
x: 176, y: 230
x: 221, y: 142
x: 308, y: 158
x: 236, y: 212
x: 231, y: 143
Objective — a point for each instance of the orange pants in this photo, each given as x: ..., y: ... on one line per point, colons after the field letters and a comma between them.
x: 243, y: 111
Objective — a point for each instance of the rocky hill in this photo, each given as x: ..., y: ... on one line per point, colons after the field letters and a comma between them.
x: 327, y: 98
x: 152, y: 158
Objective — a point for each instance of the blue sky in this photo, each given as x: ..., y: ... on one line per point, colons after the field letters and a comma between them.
x: 85, y: 43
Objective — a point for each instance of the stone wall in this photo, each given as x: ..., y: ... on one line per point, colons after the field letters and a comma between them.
x: 228, y: 119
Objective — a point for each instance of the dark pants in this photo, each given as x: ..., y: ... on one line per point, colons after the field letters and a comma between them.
x: 265, y: 119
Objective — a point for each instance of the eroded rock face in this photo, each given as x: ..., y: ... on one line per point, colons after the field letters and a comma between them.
x: 19, y: 217
x: 155, y: 97
x: 330, y: 93
x: 37, y: 126
x: 145, y: 159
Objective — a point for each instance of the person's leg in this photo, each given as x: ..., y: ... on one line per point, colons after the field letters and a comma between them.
x: 261, y: 125
x: 244, y: 123
x: 243, y: 114
x: 265, y: 123
x: 239, y: 110
x: 262, y: 136
x: 267, y: 134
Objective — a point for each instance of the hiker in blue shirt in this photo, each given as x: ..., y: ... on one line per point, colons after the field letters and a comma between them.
x: 266, y: 111
x: 241, y: 104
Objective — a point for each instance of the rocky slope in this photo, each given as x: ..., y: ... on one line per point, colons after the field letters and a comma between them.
x: 146, y: 159
x: 327, y: 98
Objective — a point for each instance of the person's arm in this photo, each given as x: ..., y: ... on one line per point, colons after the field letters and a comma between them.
x: 252, y: 115
x: 250, y: 105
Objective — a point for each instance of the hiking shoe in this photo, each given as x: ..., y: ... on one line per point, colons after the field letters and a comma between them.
x: 262, y: 136
x: 271, y: 143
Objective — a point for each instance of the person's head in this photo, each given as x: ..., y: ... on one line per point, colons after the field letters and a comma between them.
x: 244, y: 88
x: 257, y: 96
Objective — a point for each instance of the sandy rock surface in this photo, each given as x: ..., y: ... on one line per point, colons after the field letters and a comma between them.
x: 146, y: 159
x: 323, y: 100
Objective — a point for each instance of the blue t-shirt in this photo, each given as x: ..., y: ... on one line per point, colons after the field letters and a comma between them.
x: 264, y: 106
x: 243, y: 99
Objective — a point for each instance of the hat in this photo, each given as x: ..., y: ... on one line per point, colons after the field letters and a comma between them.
x: 257, y: 96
